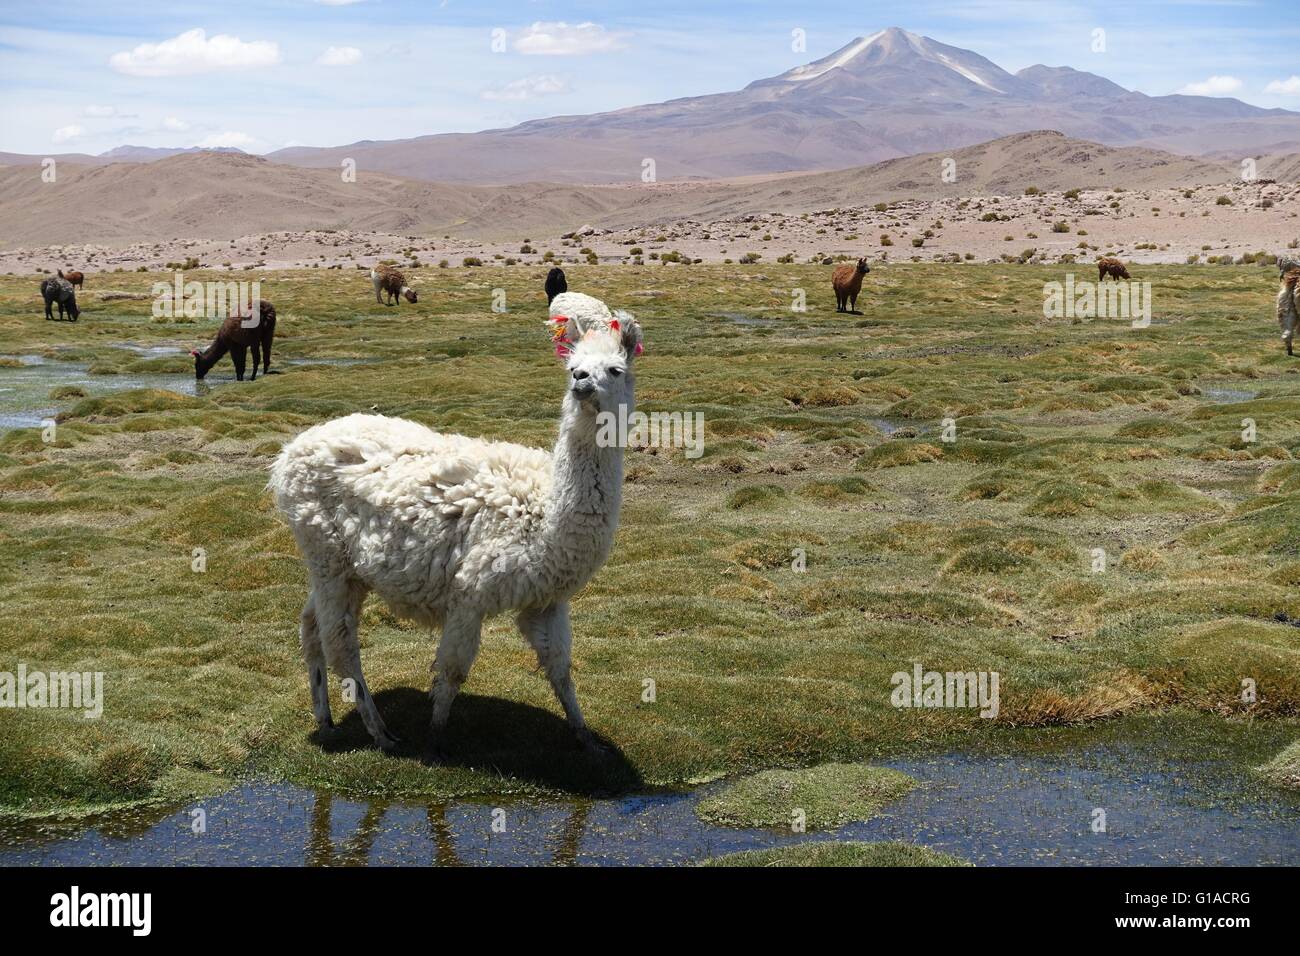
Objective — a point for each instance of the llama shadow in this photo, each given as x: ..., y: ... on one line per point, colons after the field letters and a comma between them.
x: 501, y: 736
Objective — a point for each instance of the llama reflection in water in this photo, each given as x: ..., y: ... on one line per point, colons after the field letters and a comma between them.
x: 356, y: 848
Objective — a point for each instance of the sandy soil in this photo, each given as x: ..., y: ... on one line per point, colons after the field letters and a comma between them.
x: 1168, y: 225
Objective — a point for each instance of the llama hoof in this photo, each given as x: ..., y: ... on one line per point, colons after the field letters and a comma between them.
x: 434, y: 755
x: 390, y: 744
x: 328, y: 731
x: 592, y: 744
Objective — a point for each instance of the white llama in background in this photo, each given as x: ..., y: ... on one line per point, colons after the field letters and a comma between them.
x: 449, y: 529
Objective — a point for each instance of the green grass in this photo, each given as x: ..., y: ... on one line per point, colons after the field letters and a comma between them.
x: 966, y: 555
x: 845, y: 853
x: 1284, y: 769
x: 822, y: 797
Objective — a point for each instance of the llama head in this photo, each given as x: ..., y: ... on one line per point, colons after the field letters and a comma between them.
x: 863, y: 268
x: 200, y: 367
x: 598, y: 348
x: 410, y: 295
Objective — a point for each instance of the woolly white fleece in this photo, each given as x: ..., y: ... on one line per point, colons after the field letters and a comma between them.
x: 449, y: 529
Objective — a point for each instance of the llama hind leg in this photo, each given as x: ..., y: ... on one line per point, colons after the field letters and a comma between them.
x: 338, y: 609
x: 314, y: 655
x: 457, y: 650
x: 549, y: 634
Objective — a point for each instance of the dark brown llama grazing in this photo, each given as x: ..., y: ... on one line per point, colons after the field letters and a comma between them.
x: 76, y: 278
x: 847, y: 281
x: 389, y: 280
x: 1110, y: 266
x: 57, y: 289
x: 253, y: 326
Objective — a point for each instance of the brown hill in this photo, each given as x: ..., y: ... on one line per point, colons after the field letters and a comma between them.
x: 224, y: 195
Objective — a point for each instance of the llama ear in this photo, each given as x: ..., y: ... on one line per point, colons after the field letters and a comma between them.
x: 629, y: 332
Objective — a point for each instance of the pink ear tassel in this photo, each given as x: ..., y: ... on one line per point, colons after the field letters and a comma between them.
x: 638, y: 349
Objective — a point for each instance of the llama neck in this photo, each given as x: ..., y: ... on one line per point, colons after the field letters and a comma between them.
x: 209, y: 356
x: 582, y: 512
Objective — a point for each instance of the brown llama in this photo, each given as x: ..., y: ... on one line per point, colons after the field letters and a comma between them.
x: 1288, y: 306
x: 389, y: 280
x: 76, y: 278
x: 1110, y: 266
x: 847, y: 281
x: 253, y: 326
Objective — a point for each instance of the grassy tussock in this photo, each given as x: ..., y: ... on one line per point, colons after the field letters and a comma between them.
x: 822, y: 439
x: 846, y: 853
x: 827, y: 796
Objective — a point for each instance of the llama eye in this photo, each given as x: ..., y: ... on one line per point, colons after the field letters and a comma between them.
x: 616, y: 371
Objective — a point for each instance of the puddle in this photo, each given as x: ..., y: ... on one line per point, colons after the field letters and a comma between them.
x: 340, y: 362
x: 990, y: 810
x: 151, y: 350
x: 1226, y: 396
x: 740, y: 318
x: 25, y: 391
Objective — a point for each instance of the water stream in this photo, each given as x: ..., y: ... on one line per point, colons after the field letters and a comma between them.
x: 990, y: 810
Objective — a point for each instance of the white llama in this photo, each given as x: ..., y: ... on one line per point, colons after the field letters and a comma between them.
x: 449, y: 529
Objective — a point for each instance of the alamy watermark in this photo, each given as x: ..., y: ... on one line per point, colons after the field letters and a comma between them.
x: 68, y: 690
x: 657, y: 429
x: 206, y: 300
x: 950, y: 689
x: 1086, y: 299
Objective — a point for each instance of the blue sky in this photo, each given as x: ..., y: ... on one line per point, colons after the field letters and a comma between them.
x: 84, y: 77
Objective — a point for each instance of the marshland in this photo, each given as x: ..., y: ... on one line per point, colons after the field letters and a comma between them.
x: 1105, y: 516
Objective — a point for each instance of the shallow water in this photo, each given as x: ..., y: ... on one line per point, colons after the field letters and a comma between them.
x: 1226, y: 396
x: 990, y: 810
x: 25, y: 392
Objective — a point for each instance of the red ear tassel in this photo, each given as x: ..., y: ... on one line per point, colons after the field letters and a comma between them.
x: 560, y: 335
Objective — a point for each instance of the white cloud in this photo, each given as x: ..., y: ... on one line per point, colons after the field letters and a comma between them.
x: 65, y: 133
x: 560, y: 39
x: 175, y: 124
x: 100, y: 112
x: 340, y: 56
x: 194, y: 52
x: 1214, y: 86
x: 230, y: 138
x: 1287, y: 87
x: 527, y: 88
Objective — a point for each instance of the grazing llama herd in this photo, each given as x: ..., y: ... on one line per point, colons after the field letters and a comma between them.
x: 448, y: 529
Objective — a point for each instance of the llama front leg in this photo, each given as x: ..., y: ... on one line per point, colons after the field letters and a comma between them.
x: 257, y: 357
x: 549, y: 634
x: 457, y: 650
x: 238, y: 353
